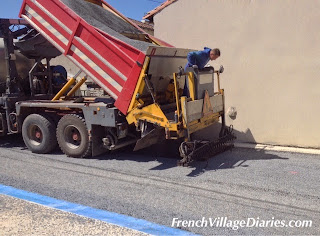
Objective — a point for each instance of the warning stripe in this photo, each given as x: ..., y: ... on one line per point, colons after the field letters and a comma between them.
x: 48, y: 26
x: 44, y: 34
x: 96, y: 68
x: 75, y: 61
x: 94, y: 52
x: 31, y: 13
x: 69, y: 31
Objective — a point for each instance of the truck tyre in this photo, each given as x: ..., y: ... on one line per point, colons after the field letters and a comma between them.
x: 73, y: 136
x: 38, y: 133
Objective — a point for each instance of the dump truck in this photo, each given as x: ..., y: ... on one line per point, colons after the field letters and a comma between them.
x: 142, y: 79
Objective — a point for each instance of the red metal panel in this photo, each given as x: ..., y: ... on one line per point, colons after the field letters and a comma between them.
x: 107, y: 49
x: 99, y: 63
x: 131, y: 52
x: 23, y: 6
x: 114, y: 50
x: 52, y: 36
x: 125, y: 97
x: 94, y: 73
x: 60, y: 11
x: 161, y: 42
x: 49, y: 20
x: 74, y: 31
x: 124, y: 61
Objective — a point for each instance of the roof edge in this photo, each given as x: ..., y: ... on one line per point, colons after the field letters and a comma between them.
x: 155, y: 11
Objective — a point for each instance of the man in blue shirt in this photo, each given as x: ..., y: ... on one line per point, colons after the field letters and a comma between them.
x: 201, y: 58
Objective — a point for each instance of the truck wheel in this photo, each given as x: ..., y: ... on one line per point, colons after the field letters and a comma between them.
x: 73, y: 136
x: 38, y: 133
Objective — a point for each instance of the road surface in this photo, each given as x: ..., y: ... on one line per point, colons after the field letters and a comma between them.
x: 242, y: 185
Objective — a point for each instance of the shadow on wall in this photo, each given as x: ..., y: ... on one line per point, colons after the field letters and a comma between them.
x: 212, y: 132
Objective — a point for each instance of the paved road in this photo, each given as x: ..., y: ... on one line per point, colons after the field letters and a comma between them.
x: 238, y: 185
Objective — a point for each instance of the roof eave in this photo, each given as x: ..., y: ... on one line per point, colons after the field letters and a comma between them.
x: 150, y: 14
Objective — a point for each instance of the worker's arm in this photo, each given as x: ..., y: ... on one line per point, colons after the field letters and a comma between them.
x: 192, y: 59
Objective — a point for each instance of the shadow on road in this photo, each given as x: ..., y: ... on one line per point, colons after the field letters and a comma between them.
x: 238, y: 158
x: 167, y: 155
x: 13, y: 140
x: 227, y: 160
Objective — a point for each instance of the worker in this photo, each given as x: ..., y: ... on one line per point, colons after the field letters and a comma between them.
x: 201, y: 58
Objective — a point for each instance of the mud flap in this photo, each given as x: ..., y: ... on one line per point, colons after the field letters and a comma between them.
x: 3, y: 125
x: 96, y: 138
x: 154, y: 136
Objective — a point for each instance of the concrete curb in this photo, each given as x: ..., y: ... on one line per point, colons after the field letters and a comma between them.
x: 278, y: 148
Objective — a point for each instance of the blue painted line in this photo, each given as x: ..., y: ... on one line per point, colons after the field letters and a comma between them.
x: 106, y: 216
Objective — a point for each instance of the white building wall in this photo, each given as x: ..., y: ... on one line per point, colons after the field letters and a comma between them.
x: 271, y: 54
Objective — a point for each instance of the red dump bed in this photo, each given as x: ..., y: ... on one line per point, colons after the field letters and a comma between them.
x: 111, y: 63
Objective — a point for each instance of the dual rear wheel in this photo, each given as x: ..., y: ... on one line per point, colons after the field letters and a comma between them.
x: 38, y: 132
x: 73, y: 136
x: 41, y: 135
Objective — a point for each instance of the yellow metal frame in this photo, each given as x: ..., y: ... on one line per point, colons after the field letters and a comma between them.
x: 140, y: 86
x: 76, y: 87
x: 153, y: 113
x: 176, y: 92
x: 190, y: 77
x: 203, y: 122
x: 64, y: 89
x: 192, y: 87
